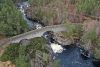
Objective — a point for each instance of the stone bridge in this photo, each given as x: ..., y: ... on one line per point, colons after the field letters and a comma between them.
x: 33, y: 34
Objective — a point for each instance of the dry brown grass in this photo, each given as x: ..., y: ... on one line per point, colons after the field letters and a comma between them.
x: 92, y: 24
x: 6, y: 64
x: 52, y: 13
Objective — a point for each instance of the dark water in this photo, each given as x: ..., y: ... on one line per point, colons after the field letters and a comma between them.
x: 71, y: 57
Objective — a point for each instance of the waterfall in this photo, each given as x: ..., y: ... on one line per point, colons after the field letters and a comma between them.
x: 56, y: 48
x: 31, y: 24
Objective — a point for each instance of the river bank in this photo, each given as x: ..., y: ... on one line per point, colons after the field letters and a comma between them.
x: 68, y: 42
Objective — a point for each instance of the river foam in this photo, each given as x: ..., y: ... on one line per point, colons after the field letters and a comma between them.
x: 56, y: 48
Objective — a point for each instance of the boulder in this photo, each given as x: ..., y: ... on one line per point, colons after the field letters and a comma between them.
x: 61, y: 39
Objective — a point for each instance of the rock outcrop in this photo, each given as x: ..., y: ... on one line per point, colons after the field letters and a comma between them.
x: 62, y: 40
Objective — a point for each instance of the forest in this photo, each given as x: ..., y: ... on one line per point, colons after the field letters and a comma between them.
x: 11, y: 21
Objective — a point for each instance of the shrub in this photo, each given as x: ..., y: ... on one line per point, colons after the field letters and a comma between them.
x: 89, y: 36
x: 40, y: 2
x: 97, y: 53
x: 72, y: 1
x: 22, y: 61
x: 11, y: 21
x: 86, y: 6
x: 21, y: 54
x: 73, y: 30
x: 11, y: 53
x: 48, y: 11
x: 97, y: 4
x: 37, y: 43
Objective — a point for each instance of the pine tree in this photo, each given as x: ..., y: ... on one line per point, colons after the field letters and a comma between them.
x: 11, y: 21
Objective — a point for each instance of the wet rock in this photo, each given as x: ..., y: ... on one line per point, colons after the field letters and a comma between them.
x: 96, y: 63
x: 62, y: 40
x: 85, y: 54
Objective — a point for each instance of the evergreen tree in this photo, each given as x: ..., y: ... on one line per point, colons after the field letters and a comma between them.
x: 11, y: 21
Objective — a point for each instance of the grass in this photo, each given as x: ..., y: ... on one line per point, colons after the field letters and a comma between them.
x: 73, y: 30
x: 86, y: 6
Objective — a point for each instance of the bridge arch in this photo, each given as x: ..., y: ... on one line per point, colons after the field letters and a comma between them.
x: 49, y: 36
x: 48, y: 33
x: 35, y: 33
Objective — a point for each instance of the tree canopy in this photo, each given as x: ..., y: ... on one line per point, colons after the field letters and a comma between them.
x: 11, y: 21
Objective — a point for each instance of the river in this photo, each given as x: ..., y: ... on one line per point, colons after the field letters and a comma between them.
x: 68, y: 57
x: 71, y: 57
x: 31, y: 24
